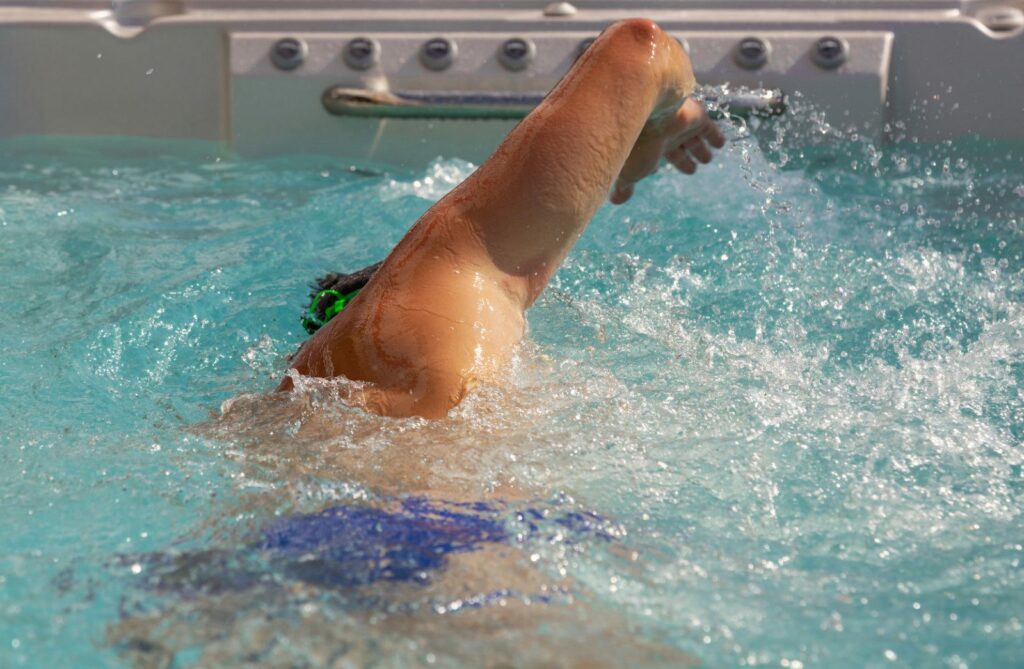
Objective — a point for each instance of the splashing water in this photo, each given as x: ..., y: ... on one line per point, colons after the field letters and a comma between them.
x: 768, y: 415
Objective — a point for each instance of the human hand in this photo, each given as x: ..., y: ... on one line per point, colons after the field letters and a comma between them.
x: 685, y: 138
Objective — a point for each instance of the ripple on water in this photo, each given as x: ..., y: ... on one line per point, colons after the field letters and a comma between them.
x: 790, y: 384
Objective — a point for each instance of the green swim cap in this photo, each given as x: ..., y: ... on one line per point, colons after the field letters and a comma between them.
x: 313, y: 321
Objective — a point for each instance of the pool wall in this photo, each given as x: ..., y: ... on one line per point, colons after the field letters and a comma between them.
x: 929, y: 69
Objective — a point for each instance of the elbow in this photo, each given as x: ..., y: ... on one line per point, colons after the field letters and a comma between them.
x: 634, y: 46
x: 642, y: 43
x: 639, y: 30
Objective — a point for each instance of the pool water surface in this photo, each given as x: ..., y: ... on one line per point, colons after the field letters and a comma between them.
x: 769, y: 415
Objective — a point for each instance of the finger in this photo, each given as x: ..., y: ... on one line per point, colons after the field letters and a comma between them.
x: 622, y: 192
x: 682, y: 161
x: 691, y: 114
x: 698, y: 149
x: 713, y: 135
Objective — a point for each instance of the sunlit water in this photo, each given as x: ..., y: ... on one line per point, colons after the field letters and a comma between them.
x: 782, y: 398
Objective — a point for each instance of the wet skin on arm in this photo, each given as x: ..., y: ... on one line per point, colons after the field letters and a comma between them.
x: 445, y: 310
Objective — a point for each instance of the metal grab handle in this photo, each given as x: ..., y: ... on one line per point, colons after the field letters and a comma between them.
x: 364, y: 103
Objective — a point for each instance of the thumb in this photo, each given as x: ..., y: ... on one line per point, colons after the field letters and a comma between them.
x: 622, y: 192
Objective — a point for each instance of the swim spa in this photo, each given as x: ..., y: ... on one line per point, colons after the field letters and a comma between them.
x: 766, y: 416
x: 253, y: 74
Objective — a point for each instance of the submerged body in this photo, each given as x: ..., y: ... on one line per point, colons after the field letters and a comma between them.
x: 446, y: 308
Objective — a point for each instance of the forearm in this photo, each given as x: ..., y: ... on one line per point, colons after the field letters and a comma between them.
x: 532, y: 199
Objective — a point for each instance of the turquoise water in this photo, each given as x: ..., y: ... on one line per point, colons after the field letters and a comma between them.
x: 788, y: 387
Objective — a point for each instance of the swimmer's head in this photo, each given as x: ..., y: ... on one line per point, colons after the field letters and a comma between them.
x: 331, y: 293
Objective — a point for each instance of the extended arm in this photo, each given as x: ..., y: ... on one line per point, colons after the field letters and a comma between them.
x: 446, y: 307
x: 615, y: 114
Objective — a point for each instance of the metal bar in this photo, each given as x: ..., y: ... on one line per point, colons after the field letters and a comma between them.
x: 365, y: 103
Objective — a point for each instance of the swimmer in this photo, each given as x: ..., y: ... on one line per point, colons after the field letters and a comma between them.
x: 446, y: 308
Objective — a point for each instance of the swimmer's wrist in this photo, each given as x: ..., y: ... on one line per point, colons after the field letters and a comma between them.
x: 677, y: 82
